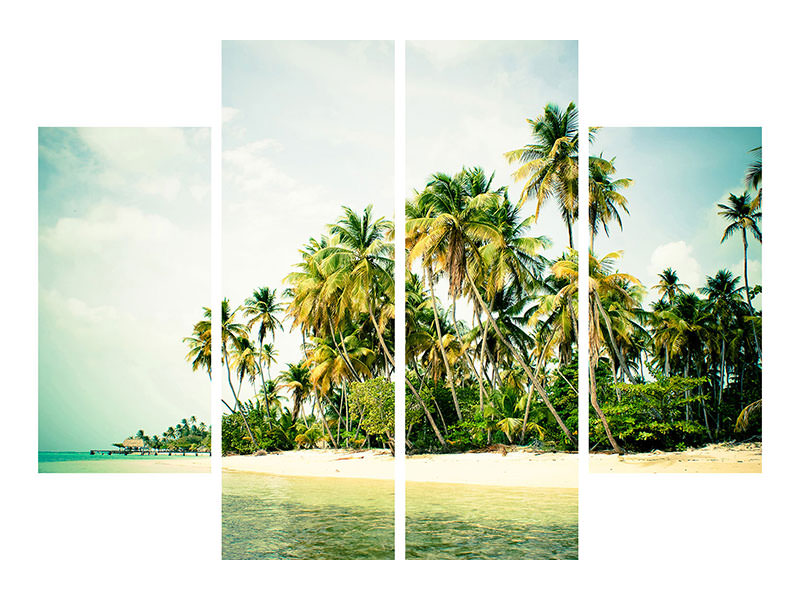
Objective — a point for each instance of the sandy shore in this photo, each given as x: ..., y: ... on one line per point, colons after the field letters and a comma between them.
x: 714, y: 458
x: 517, y: 469
x: 369, y: 464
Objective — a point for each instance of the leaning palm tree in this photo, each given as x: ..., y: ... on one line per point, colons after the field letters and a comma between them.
x: 603, y: 285
x: 231, y: 331
x: 549, y: 165
x: 448, y: 224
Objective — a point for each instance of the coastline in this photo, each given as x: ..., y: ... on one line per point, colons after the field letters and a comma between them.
x: 713, y: 458
x: 126, y: 464
x: 515, y: 469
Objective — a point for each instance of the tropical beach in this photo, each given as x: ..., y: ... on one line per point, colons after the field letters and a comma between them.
x: 512, y: 469
x: 308, y: 317
x: 491, y: 303
x: 123, y: 220
x: 675, y: 299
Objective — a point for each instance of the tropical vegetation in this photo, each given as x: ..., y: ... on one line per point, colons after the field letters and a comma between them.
x: 491, y: 313
x: 187, y: 435
x: 340, y: 298
x: 685, y: 369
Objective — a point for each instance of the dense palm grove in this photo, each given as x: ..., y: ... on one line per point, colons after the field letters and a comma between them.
x: 685, y: 370
x: 188, y: 435
x: 340, y: 297
x: 506, y: 371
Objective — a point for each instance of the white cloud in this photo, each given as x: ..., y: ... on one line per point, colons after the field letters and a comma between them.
x: 229, y: 113
x: 136, y: 149
x: 105, y: 225
x: 167, y: 188
x: 679, y: 256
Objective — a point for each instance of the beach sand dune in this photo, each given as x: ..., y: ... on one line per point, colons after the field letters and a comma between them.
x: 714, y: 458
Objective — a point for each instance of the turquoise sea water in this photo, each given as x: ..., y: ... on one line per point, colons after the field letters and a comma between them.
x: 83, y: 462
x: 272, y: 517
x: 447, y: 521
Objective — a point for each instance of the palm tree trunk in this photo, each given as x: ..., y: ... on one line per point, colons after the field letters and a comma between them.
x: 598, y: 410
x: 721, y: 383
x: 386, y: 352
x: 324, y: 421
x: 747, y: 292
x: 466, y: 360
x: 237, y: 404
x: 441, y: 344
x: 427, y: 414
x: 530, y: 390
x: 610, y: 330
x: 539, y: 389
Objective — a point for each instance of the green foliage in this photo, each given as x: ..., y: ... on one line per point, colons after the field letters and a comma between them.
x: 652, y: 415
x: 373, y: 401
x: 272, y: 430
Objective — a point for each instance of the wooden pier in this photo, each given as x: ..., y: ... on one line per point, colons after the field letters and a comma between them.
x: 127, y: 451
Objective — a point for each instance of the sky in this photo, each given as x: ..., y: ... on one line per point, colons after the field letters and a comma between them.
x: 308, y: 127
x: 124, y: 232
x: 680, y: 175
x: 467, y: 104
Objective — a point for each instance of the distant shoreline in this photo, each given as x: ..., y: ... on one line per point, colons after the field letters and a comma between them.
x: 80, y: 461
x: 515, y: 469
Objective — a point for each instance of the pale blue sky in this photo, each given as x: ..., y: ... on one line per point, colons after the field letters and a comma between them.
x: 680, y: 175
x: 123, y: 275
x: 308, y: 127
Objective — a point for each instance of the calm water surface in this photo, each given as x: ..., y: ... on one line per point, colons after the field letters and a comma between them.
x: 272, y: 517
x: 446, y: 521
x: 83, y: 462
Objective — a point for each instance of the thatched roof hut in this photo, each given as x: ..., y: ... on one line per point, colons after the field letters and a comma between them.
x: 133, y: 443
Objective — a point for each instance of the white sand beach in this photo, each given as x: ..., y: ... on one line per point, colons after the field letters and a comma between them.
x: 714, y: 458
x: 516, y: 468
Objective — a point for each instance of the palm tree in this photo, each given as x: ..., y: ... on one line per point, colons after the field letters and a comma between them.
x: 605, y: 199
x: 743, y: 215
x: 231, y: 333
x: 669, y: 284
x: 363, y: 262
x: 199, y: 355
x: 549, y: 165
x: 603, y: 285
x: 752, y: 178
x: 448, y: 222
x: 262, y: 308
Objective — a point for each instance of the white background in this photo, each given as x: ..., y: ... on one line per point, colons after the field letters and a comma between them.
x: 158, y: 64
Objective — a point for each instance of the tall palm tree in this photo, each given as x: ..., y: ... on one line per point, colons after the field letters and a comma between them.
x: 549, y: 165
x: 603, y: 284
x: 743, y: 215
x: 669, y: 284
x: 231, y: 331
